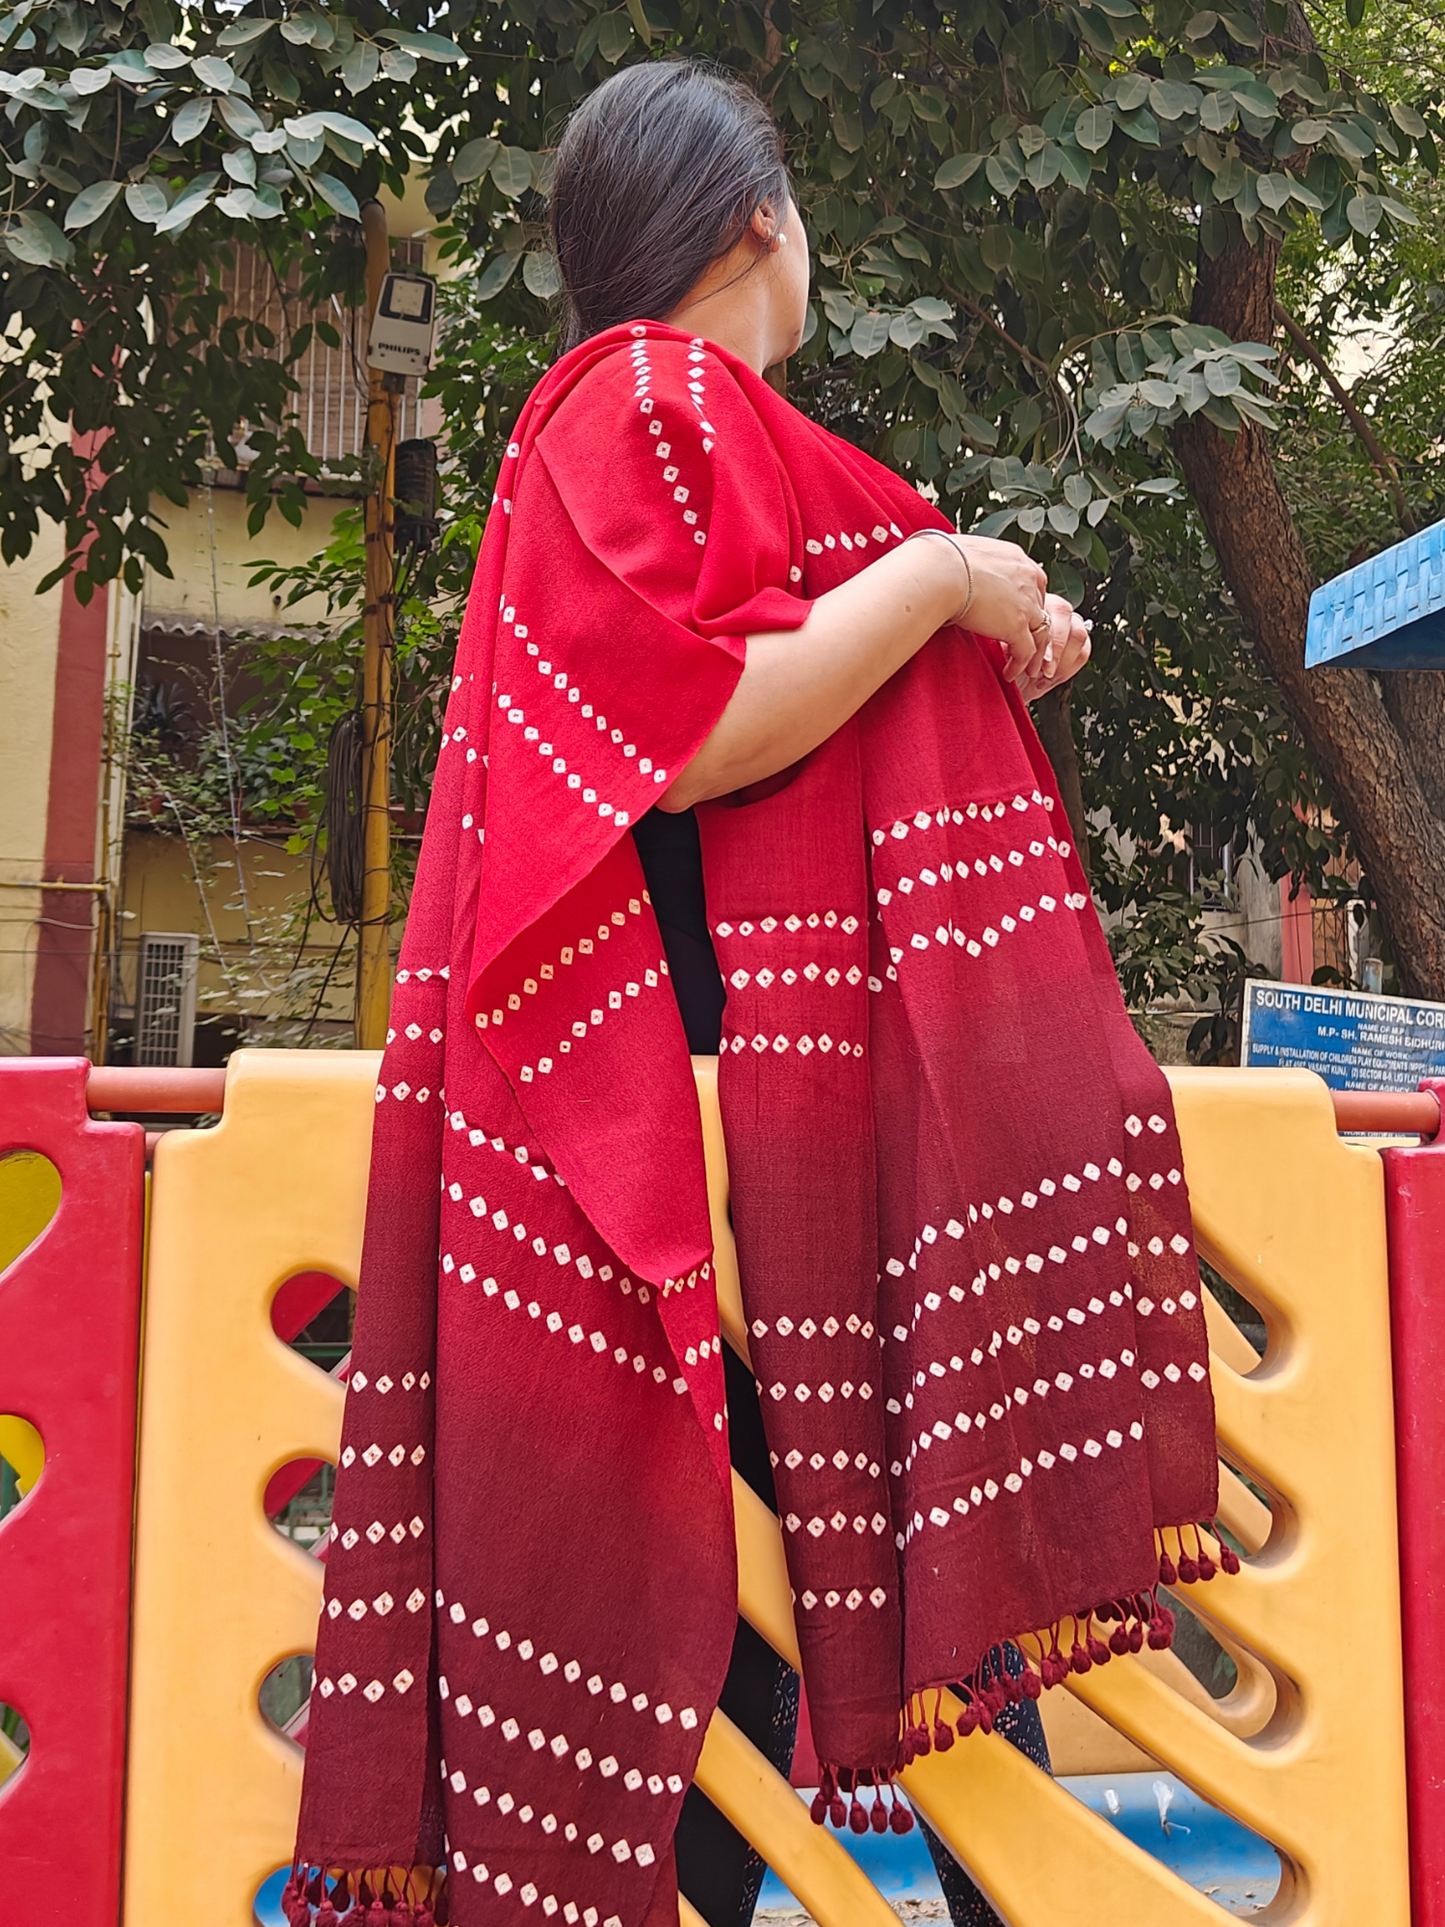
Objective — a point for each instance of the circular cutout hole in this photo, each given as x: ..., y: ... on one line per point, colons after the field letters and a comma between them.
x: 29, y: 1198
x: 285, y: 1696
x: 22, y: 1460
x: 298, y: 1500
x: 312, y: 1312
x: 14, y: 1741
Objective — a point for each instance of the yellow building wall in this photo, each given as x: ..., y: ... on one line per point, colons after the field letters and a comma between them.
x: 29, y: 636
x: 212, y: 530
x: 172, y: 885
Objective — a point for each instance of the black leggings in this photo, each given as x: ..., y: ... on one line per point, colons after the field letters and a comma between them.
x: 716, y: 1867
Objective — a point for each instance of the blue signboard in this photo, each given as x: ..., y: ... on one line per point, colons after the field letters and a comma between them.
x: 1385, y: 613
x: 1352, y: 1039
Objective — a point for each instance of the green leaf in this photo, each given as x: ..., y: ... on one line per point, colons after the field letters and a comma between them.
x: 1172, y: 99
x: 1355, y: 12
x: 427, y: 46
x: 337, y: 195
x: 215, y: 73
x: 869, y: 335
x: 1407, y: 120
x: 146, y: 201
x: 1063, y: 518
x: 240, y: 116
x: 906, y: 330
x: 1004, y: 174
x: 473, y: 160
x: 1350, y: 141
x: 193, y: 118
x: 441, y: 192
x: 1258, y: 98
x: 1130, y: 352
x: 932, y: 308
x: 308, y: 126
x: 1093, y: 128
x: 36, y: 240
x: 1131, y: 91
x: 496, y: 275
x: 360, y: 67
x: 1201, y: 25
x: 1218, y: 113
x: 1221, y: 376
x: 643, y: 26
x: 838, y: 306
x: 1275, y: 190
x: 133, y: 65
x: 540, y: 272
x: 1140, y: 126
x: 512, y: 171
x: 1364, y: 211
x: 187, y: 204
x: 1074, y: 165
x: 90, y: 80
x: 957, y: 169
x: 910, y: 247
x: 91, y: 203
x: 847, y: 131
x: 242, y: 33
x: 614, y: 37
x: 1306, y: 133
x: 397, y: 64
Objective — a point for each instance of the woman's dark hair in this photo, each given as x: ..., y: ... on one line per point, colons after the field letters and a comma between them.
x: 658, y: 174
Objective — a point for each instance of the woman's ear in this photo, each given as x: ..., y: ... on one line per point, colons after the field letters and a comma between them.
x: 766, y: 227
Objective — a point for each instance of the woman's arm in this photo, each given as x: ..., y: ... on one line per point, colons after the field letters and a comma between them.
x: 799, y: 685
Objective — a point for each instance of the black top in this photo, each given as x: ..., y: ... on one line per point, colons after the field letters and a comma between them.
x: 672, y: 864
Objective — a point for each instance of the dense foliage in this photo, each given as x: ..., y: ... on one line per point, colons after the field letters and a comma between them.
x: 1006, y: 198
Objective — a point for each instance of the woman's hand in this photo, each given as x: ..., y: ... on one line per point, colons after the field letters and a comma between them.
x: 1066, y: 648
x: 1008, y: 601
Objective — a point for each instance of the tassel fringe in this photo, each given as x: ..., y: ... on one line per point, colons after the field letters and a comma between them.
x: 1188, y: 1555
x: 369, y: 1897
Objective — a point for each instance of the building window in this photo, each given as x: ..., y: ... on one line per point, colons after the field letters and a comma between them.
x: 330, y: 409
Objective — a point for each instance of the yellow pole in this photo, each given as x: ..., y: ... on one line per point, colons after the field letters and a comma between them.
x: 373, y: 974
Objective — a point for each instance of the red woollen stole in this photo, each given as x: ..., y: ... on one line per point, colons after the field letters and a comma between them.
x: 963, y: 1230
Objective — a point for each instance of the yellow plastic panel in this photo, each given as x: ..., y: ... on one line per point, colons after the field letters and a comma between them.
x: 278, y: 1187
x: 1295, y: 1218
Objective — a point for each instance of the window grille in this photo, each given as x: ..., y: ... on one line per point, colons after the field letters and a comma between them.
x: 165, y: 1018
x: 1211, y: 865
x: 330, y: 409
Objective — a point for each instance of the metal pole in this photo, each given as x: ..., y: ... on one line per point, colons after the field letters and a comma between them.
x: 373, y: 974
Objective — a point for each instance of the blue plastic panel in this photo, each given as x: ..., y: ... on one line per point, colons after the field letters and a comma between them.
x: 1387, y: 613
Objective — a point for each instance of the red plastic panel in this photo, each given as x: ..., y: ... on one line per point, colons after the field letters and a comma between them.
x: 69, y: 1323
x: 1415, y: 1218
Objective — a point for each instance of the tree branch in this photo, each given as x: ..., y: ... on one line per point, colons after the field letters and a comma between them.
x: 1384, y: 463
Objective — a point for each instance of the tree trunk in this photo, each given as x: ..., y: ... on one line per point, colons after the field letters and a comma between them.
x: 1056, y: 733
x: 1341, y: 714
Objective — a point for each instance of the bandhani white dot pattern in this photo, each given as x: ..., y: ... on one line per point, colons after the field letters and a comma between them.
x: 958, y: 1200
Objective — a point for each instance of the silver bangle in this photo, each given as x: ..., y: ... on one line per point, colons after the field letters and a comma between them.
x: 944, y: 536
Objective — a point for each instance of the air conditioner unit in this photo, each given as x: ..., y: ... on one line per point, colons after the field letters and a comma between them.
x: 165, y: 1004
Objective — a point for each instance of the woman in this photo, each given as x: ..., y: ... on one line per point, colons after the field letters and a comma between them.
x: 956, y: 1189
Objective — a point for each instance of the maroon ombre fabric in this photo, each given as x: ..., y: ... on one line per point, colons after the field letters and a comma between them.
x: 962, y: 1225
